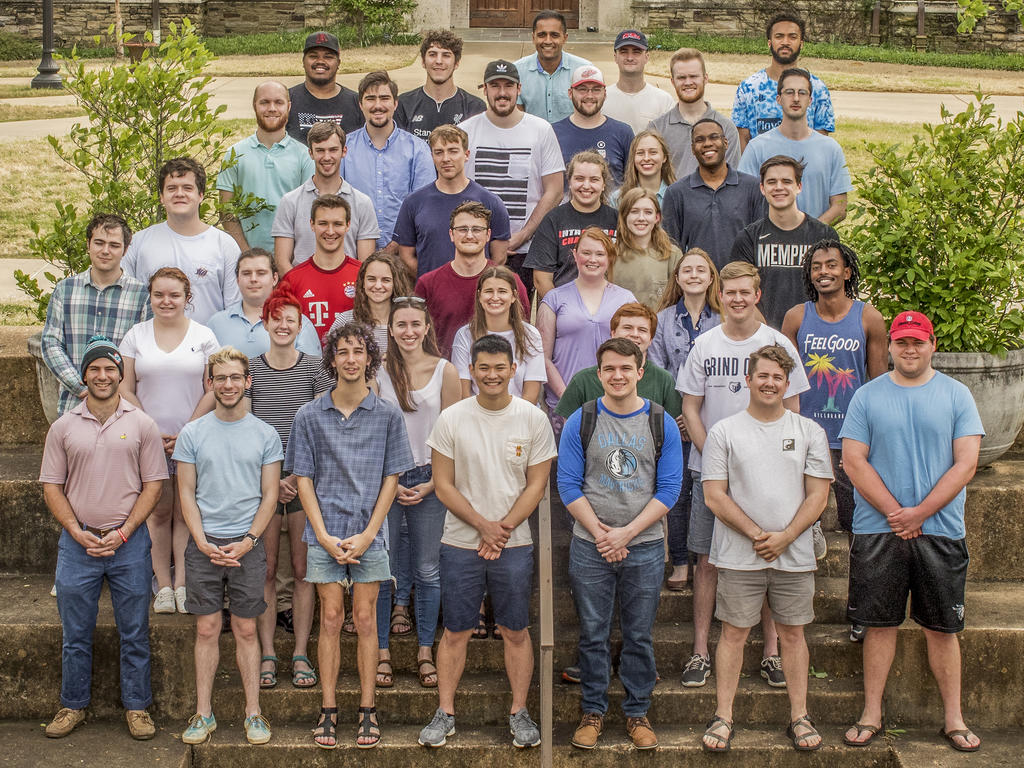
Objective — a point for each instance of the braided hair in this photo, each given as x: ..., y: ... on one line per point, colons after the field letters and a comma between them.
x: 849, y: 258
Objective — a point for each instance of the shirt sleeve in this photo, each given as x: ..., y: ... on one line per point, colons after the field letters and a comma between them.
x: 308, y: 342
x: 542, y: 443
x: 732, y: 152
x: 572, y: 398
x: 749, y: 161
x: 54, y: 468
x: 714, y: 459
x: 152, y: 459
x: 551, y: 154
x: 856, y: 425
x: 670, y: 465
x: 840, y: 182
x: 283, y: 217
x: 740, y: 115
x: 670, y: 399
x: 818, y: 462
x: 401, y: 117
x: 967, y: 420
x: 227, y: 177
x: 367, y: 226
x: 441, y: 437
x: 300, y: 458
x: 129, y: 261
x: 543, y: 254
x: 423, y: 165
x: 571, y: 461
x: 129, y: 346
x: 55, y: 353
x: 534, y: 360
x: 405, y: 229
x: 657, y: 353
x: 672, y: 215
x: 743, y: 248
x: 501, y: 226
x: 229, y: 255
x: 184, y: 447
x: 823, y: 115
x: 273, y: 450
x: 460, y: 352
x: 691, y: 378
x: 798, y: 377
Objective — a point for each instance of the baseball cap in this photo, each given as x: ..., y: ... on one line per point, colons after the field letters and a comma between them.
x: 500, y: 69
x: 632, y: 37
x: 916, y: 325
x: 588, y: 73
x: 322, y: 40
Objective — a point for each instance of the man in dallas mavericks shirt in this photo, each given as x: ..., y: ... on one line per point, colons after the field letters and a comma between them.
x: 842, y: 344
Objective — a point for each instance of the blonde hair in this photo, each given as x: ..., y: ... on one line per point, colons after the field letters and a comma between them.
x: 631, y: 178
x: 737, y: 269
x: 661, y: 244
x: 686, y: 54
x: 674, y: 292
x: 226, y: 355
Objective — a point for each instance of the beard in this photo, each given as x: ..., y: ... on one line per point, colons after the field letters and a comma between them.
x: 788, y: 58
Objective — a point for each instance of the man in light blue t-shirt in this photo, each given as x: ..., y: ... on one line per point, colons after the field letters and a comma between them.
x: 826, y: 178
x: 547, y: 74
x: 229, y: 470
x: 910, y: 446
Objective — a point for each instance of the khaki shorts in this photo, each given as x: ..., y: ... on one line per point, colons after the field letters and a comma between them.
x: 742, y: 593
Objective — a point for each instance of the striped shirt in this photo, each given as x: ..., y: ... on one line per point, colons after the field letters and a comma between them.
x: 79, y: 310
x: 277, y: 395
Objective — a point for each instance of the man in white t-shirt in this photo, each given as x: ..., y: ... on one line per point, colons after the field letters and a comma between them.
x: 632, y: 99
x: 766, y: 473
x: 486, y: 542
x: 516, y: 156
x: 713, y: 385
x: 207, y: 255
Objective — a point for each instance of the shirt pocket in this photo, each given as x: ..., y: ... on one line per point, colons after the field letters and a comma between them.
x: 517, y: 451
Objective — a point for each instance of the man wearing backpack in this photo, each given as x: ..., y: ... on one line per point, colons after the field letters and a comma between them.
x: 619, y: 471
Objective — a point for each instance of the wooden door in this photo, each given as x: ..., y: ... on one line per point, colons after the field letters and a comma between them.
x: 519, y: 13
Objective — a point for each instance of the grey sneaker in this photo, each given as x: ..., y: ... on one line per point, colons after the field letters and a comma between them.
x: 820, y: 544
x: 437, y: 731
x: 525, y: 732
x: 696, y: 671
x: 771, y: 670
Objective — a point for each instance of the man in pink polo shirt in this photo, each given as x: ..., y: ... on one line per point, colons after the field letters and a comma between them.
x: 102, y: 470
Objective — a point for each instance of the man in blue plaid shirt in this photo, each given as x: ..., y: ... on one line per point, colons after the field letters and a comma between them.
x: 102, y: 300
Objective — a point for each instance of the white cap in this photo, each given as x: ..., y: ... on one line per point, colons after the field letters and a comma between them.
x: 588, y: 73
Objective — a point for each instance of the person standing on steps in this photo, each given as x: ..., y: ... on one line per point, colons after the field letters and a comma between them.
x: 766, y: 474
x: 102, y: 473
x: 229, y: 471
x: 547, y: 74
x: 910, y: 446
x: 320, y: 98
x: 632, y: 99
x: 842, y: 344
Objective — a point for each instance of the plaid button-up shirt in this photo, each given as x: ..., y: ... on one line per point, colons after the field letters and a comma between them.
x: 79, y: 310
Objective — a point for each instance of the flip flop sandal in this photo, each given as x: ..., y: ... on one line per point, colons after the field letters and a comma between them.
x: 400, y: 619
x: 302, y: 678
x: 367, y: 728
x: 811, y: 732
x: 480, y: 633
x: 388, y: 677
x: 966, y: 733
x: 862, y: 728
x: 268, y: 679
x: 327, y: 727
x: 349, y: 626
x: 717, y: 722
x: 424, y: 675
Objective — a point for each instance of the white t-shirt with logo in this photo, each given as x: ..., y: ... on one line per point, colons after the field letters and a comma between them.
x: 717, y: 369
x: 637, y: 109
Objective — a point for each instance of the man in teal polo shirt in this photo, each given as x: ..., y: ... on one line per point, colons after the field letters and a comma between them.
x: 266, y: 164
x: 546, y: 76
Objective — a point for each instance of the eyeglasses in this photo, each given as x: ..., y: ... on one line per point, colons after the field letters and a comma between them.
x: 595, y: 91
x: 467, y: 230
x: 803, y: 93
x: 714, y: 137
x: 409, y: 300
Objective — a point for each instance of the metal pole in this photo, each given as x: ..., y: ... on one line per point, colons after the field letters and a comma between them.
x: 920, y: 18
x: 49, y: 70
x: 156, y: 21
x: 547, y: 630
x: 876, y: 23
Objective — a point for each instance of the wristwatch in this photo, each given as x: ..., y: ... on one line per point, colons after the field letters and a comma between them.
x: 254, y: 539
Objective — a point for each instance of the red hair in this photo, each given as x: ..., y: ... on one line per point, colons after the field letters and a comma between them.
x: 278, y: 300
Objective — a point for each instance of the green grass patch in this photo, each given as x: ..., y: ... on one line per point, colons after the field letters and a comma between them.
x: 881, y: 54
x: 10, y: 113
x: 25, y: 91
x: 12, y: 313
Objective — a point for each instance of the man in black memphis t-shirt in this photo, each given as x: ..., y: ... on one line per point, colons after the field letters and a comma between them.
x: 320, y: 98
x: 438, y: 101
x: 776, y: 243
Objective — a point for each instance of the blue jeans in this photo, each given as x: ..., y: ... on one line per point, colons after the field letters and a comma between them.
x: 678, y: 519
x: 79, y: 580
x: 595, y: 583
x: 425, y: 522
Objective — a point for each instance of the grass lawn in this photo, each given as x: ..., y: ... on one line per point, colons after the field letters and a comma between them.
x: 11, y: 112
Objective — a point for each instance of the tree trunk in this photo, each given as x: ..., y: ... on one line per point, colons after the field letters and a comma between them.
x: 118, y: 30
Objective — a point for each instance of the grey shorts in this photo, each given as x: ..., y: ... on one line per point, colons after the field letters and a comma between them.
x: 206, y: 583
x: 702, y: 520
x: 321, y: 568
x: 742, y: 593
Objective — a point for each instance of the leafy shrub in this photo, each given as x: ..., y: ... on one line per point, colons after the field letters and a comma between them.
x: 17, y: 47
x: 939, y: 226
x: 374, y: 21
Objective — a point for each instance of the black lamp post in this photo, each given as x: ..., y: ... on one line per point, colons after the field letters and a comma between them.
x: 48, y: 76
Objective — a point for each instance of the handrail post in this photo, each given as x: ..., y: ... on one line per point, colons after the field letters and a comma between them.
x: 547, y: 630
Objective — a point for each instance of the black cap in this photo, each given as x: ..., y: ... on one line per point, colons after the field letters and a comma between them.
x: 501, y: 70
x: 633, y: 37
x: 322, y: 40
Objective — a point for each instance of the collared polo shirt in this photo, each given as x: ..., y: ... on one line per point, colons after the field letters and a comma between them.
x: 545, y: 95
x: 232, y: 328
x: 103, y: 466
x: 77, y: 311
x: 347, y: 457
x: 268, y: 173
x: 697, y: 216
x: 676, y: 132
x: 292, y: 219
x: 388, y: 175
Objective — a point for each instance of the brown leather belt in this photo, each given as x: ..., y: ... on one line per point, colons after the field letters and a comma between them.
x: 100, y: 532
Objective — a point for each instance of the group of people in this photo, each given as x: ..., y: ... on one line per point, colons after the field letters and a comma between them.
x: 356, y: 364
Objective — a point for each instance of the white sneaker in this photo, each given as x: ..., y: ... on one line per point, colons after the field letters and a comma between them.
x: 179, y: 599
x: 164, y: 602
x: 820, y: 544
x: 53, y: 590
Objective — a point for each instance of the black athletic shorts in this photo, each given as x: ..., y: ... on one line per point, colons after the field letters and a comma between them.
x: 885, y: 569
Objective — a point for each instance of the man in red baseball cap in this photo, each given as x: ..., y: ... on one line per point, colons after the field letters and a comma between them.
x: 910, y: 446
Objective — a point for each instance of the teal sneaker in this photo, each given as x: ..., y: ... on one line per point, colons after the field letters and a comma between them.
x: 199, y: 729
x: 257, y: 729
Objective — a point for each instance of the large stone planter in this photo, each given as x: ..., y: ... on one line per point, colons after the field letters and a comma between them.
x: 998, y: 388
x: 49, y: 387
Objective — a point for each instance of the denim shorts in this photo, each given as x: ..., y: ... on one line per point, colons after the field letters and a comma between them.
x: 206, y: 583
x: 466, y: 577
x: 321, y: 568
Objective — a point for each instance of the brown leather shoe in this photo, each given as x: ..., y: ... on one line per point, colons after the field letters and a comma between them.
x: 587, y: 732
x: 640, y: 731
x: 140, y: 724
x: 64, y: 722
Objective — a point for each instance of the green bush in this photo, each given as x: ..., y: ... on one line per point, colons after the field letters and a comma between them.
x: 939, y: 226
x: 16, y: 47
x: 374, y: 21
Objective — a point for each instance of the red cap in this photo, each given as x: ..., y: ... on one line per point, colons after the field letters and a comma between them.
x: 913, y: 324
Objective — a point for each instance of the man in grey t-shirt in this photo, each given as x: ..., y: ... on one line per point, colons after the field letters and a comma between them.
x: 618, y: 483
x: 766, y: 473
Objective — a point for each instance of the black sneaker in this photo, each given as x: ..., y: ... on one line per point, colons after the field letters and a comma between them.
x: 771, y: 670
x: 857, y: 632
x: 697, y: 671
x: 284, y: 621
x: 571, y: 674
